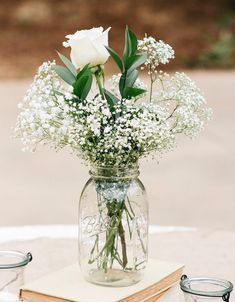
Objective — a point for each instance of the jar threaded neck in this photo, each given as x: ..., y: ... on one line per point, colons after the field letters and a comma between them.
x: 128, y: 172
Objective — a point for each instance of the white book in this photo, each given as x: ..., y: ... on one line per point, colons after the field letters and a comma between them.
x: 68, y: 285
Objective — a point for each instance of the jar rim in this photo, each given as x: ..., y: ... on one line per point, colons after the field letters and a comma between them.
x: 134, y: 165
x: 125, y: 172
x: 186, y: 286
x: 19, y: 259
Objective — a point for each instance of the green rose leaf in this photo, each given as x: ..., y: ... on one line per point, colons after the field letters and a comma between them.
x: 84, y: 71
x: 112, y: 101
x: 131, y: 77
x: 82, y: 87
x: 132, y: 60
x: 115, y: 57
x: 127, y: 48
x: 68, y: 64
x: 135, y: 61
x: 65, y: 74
x: 83, y: 83
x: 127, y: 80
x: 122, y: 82
x: 130, y: 44
x: 86, y: 88
x: 133, y: 40
x: 130, y: 92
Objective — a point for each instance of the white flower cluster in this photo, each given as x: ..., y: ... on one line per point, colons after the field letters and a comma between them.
x: 51, y: 114
x: 44, y: 116
x: 108, y: 140
x: 189, y: 112
x: 158, y: 52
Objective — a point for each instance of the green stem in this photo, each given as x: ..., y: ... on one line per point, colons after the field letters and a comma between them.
x: 121, y: 233
x: 151, y: 84
x: 151, y: 90
x: 109, y: 252
x: 107, y: 242
x: 98, y: 76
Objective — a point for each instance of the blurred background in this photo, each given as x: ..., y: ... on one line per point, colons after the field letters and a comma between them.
x: 194, y: 185
x: 201, y: 32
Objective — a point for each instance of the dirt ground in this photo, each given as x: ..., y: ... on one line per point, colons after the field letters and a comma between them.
x: 31, y: 30
x: 192, y: 186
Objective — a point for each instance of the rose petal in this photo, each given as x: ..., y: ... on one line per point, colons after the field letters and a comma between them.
x: 65, y: 44
x: 100, y: 43
x: 94, y: 32
x: 83, y: 52
x: 79, y: 34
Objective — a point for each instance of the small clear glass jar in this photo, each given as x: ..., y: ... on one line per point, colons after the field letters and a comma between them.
x: 205, y: 289
x: 113, y: 227
x: 12, y: 264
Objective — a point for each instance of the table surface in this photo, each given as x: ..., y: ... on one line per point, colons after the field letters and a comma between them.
x: 204, y: 252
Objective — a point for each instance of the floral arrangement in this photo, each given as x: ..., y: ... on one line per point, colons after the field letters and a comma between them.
x: 114, y: 126
x: 111, y: 128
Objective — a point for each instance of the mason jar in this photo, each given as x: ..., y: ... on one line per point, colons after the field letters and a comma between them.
x: 113, y: 227
x: 12, y: 264
x: 206, y: 289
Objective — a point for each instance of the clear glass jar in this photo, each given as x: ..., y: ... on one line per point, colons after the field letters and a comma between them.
x: 12, y: 264
x: 205, y: 289
x: 113, y: 227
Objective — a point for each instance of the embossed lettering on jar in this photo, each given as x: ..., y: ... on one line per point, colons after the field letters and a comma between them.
x: 113, y: 227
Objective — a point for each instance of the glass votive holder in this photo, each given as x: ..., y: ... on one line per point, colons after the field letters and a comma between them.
x: 205, y: 289
x: 12, y: 264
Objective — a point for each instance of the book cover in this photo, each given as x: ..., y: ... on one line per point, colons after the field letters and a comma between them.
x: 68, y: 285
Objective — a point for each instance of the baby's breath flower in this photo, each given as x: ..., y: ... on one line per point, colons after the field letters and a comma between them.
x: 51, y: 114
x: 190, y: 112
x: 158, y: 52
x: 44, y: 116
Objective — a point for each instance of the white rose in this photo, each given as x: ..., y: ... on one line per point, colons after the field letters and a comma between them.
x: 88, y: 46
